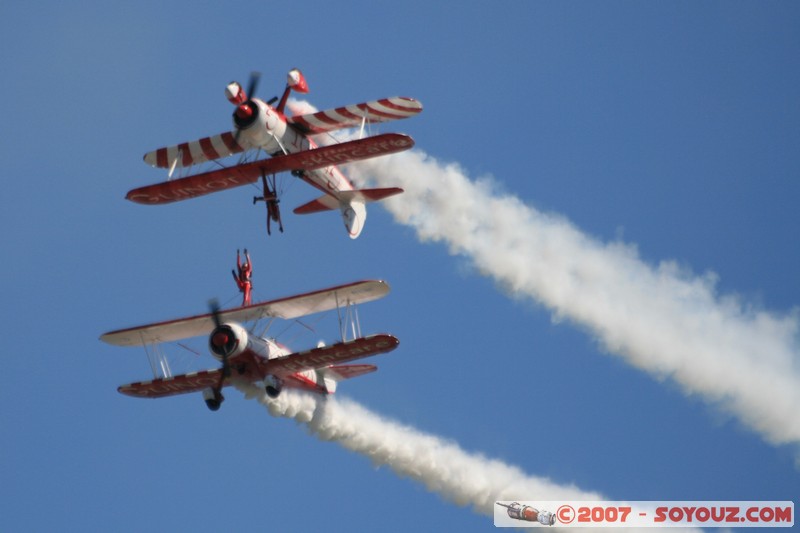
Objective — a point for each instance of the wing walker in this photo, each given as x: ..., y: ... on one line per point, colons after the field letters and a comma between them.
x: 247, y: 357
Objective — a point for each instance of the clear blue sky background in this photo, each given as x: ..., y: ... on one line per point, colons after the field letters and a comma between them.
x: 672, y: 125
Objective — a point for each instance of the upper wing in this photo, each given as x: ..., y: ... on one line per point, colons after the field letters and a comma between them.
x: 287, y: 308
x: 227, y: 178
x: 194, y: 152
x: 331, y: 355
x: 352, y: 116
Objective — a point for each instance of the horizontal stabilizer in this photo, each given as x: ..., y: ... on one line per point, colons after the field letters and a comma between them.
x: 332, y: 375
x: 342, y: 372
x: 325, y: 356
x: 328, y: 203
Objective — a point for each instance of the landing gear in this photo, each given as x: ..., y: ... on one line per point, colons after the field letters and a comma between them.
x: 273, y: 386
x: 213, y: 398
x: 271, y: 199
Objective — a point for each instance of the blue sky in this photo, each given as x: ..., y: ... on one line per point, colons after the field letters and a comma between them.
x: 671, y: 127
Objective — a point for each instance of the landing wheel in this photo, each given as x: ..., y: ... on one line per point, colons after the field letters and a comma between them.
x: 273, y: 386
x: 214, y: 405
x: 213, y: 398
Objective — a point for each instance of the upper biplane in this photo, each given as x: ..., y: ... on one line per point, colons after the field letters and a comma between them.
x: 261, y: 129
x: 248, y: 357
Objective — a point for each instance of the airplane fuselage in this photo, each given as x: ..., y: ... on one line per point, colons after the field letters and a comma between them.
x: 274, y: 135
x: 247, y: 356
x: 271, y: 132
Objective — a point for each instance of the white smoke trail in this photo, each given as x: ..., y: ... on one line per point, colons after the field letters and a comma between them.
x: 442, y: 466
x: 466, y: 479
x: 661, y: 319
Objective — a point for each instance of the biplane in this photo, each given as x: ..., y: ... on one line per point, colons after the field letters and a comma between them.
x: 247, y: 357
x: 262, y: 130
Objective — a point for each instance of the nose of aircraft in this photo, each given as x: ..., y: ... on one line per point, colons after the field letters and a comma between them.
x: 244, y: 111
x: 220, y: 339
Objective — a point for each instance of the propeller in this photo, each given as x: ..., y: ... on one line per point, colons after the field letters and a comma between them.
x: 220, y: 338
x: 213, y: 306
x: 253, y: 84
x: 245, y: 110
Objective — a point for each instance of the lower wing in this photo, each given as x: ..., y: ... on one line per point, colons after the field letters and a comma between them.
x: 331, y: 355
x: 283, y: 367
x: 183, y: 384
x: 228, y: 178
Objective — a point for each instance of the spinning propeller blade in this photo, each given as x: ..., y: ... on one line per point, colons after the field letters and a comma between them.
x: 247, y: 109
x: 213, y: 306
x: 253, y: 84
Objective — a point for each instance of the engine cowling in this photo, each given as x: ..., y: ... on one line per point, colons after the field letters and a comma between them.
x: 259, y: 125
x: 227, y: 340
x: 246, y: 114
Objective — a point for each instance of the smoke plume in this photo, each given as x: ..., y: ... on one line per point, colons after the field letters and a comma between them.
x: 659, y: 318
x: 463, y: 478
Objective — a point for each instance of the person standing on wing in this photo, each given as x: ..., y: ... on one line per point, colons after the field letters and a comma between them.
x: 243, y: 280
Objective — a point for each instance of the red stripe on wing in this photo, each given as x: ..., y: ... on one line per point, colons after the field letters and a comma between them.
x: 378, y: 113
x: 323, y: 117
x: 161, y: 158
x: 208, y: 149
x: 230, y: 142
x: 405, y: 109
x: 186, y: 157
x: 348, y: 114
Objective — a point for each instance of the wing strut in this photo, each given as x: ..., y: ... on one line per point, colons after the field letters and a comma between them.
x: 348, y: 320
x: 158, y: 360
x: 363, y: 123
x: 174, y: 164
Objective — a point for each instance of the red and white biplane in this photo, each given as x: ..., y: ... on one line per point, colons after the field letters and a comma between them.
x: 262, y: 129
x: 247, y: 357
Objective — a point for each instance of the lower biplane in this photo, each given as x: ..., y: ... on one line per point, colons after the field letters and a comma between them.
x: 249, y: 358
x: 289, y: 140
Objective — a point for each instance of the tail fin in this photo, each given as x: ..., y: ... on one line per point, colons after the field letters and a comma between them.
x: 354, y: 216
x: 334, y: 374
x: 351, y: 204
